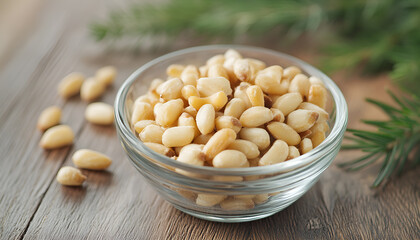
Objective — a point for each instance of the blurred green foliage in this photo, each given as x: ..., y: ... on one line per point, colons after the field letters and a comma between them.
x: 380, y: 35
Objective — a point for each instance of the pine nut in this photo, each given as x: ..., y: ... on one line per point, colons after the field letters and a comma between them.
x: 290, y: 72
x: 217, y: 59
x: 203, y: 70
x: 318, y: 95
x: 300, y: 84
x: 259, y: 136
x: 228, y: 122
x: 270, y: 82
x: 209, y: 200
x: 235, y: 108
x: 175, y: 70
x: 237, y: 204
x: 187, y: 120
x: 230, y: 159
x: 323, y: 115
x: 56, y: 137
x: 260, y: 198
x: 305, y: 134
x: 203, y: 139
x: 159, y: 148
x: 141, y: 111
x: 288, y: 102
x: 217, y: 70
x: 255, y: 96
x: 248, y: 148
x: 205, y: 119
x: 190, y: 75
x: 256, y: 116
x: 106, y: 75
x: 228, y: 66
x: 227, y: 178
x: 301, y: 120
x: 170, y: 89
x: 151, y: 133
x: 278, y: 116
x: 156, y: 108
x: 91, y: 89
x: 218, y: 100
x: 150, y: 98
x: 256, y: 64
x: 88, y: 159
x: 282, y: 131
x: 211, y: 85
x: 49, y: 117
x: 320, y: 126
x: 189, y: 147
x: 246, y: 196
x: 305, y: 145
x: 242, y: 70
x: 169, y: 112
x: 191, y: 110
x: 191, y: 196
x: 71, y: 84
x: 278, y: 153
x: 100, y: 113
x: 293, y: 152
x: 317, y: 138
x: 218, y: 114
x: 178, y: 136
x: 253, y: 163
x: 240, y: 92
x: 153, y: 98
x: 219, y: 142
x: 70, y: 176
x: 188, y: 91
x: 143, y: 98
x: 314, y: 80
x: 155, y: 84
x: 192, y: 156
x: 140, y: 125
x: 232, y: 53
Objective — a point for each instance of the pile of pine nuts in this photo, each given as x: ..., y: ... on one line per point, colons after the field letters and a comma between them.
x: 57, y: 136
x: 232, y: 112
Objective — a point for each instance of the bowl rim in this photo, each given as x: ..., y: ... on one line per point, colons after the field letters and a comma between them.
x: 327, y: 145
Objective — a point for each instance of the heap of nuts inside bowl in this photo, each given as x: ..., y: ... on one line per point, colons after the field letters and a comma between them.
x: 233, y: 112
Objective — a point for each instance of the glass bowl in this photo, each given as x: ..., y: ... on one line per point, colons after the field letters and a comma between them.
x: 250, y: 193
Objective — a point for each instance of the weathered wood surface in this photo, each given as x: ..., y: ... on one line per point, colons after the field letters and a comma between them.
x: 50, y: 40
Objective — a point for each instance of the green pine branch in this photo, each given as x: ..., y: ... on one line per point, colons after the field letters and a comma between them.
x: 392, y: 141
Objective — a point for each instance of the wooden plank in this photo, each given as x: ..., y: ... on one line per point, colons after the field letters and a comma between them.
x: 118, y: 204
x: 28, y: 85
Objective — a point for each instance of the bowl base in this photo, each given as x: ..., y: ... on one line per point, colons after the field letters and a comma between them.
x: 233, y: 218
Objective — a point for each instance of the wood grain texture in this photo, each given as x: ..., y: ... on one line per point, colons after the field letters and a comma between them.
x: 117, y: 203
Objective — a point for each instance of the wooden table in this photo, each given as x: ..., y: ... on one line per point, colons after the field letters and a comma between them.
x: 43, y: 40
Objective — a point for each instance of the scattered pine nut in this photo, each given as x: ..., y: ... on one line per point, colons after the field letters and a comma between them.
x: 106, y: 75
x: 92, y: 160
x: 57, y: 137
x: 100, y: 113
x: 71, y: 84
x: 91, y: 89
x: 70, y: 176
x: 50, y: 117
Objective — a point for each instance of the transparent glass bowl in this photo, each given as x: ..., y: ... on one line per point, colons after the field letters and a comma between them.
x: 273, y: 188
